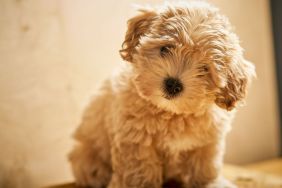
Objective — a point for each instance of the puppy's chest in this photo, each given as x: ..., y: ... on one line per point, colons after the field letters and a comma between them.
x: 186, y: 134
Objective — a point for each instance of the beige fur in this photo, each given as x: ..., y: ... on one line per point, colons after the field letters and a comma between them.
x: 133, y: 135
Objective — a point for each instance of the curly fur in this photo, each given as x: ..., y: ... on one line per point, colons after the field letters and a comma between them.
x: 133, y: 135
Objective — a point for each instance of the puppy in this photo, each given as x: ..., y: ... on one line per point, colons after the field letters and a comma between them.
x: 166, y: 115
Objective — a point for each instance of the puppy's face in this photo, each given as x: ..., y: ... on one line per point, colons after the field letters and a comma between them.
x: 186, y: 58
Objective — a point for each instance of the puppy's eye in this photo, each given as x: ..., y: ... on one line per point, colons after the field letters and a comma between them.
x: 205, y: 68
x: 165, y: 50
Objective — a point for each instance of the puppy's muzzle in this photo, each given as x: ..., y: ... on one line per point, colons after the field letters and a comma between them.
x: 172, y: 87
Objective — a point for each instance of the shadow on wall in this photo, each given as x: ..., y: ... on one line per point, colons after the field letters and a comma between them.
x: 15, y: 175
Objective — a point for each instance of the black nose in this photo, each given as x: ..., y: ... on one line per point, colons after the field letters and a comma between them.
x: 173, y: 86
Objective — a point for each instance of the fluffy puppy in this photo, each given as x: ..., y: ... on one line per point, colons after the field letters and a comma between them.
x: 165, y: 116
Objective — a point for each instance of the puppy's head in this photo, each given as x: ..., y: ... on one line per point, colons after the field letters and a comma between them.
x: 186, y: 57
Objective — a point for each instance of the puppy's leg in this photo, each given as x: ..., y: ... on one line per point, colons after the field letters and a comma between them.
x: 201, y: 168
x: 135, y: 166
x: 90, y: 168
x: 91, y: 159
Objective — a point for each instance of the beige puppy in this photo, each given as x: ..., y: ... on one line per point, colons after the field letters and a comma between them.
x: 166, y: 115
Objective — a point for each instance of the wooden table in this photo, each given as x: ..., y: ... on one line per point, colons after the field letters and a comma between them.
x: 244, y: 177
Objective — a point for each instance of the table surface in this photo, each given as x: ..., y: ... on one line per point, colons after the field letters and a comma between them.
x: 243, y: 177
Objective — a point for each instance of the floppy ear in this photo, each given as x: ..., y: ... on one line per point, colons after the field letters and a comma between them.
x: 137, y: 27
x: 232, y: 79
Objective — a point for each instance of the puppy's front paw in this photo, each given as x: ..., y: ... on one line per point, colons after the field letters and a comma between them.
x: 221, y: 183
